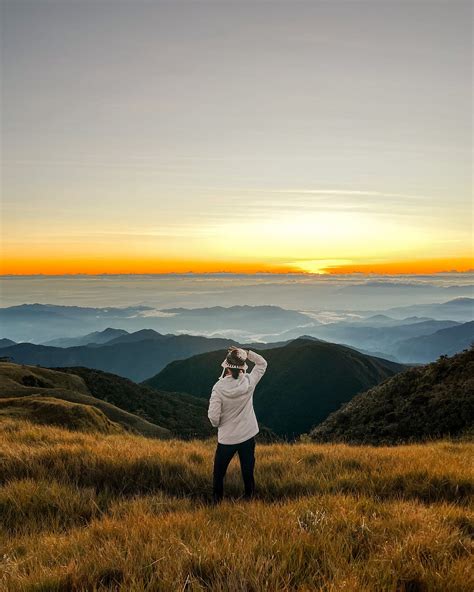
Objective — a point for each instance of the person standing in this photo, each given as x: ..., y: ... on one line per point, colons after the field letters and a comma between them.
x: 231, y: 412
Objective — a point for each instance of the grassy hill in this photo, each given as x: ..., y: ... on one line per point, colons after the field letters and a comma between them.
x: 306, y: 380
x: 18, y: 381
x: 120, y: 512
x: 55, y: 412
x: 184, y: 415
x: 423, y: 402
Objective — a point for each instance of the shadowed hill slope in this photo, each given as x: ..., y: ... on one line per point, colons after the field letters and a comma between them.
x: 181, y: 413
x: 423, y: 402
x: 305, y: 381
x: 18, y: 381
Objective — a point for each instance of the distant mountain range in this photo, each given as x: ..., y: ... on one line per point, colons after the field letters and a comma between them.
x: 427, y: 348
x: 305, y: 381
x: 379, y: 338
x: 96, y: 337
x: 234, y: 322
x: 129, y: 358
x: 43, y: 322
x: 383, y: 320
x: 6, y: 342
x: 459, y: 309
x: 378, y: 334
x: 406, y: 342
x: 430, y: 401
x: 40, y: 323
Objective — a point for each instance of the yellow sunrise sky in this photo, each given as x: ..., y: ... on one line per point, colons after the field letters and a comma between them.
x: 305, y: 137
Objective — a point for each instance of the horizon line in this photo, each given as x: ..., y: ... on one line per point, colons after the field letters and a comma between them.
x: 270, y: 273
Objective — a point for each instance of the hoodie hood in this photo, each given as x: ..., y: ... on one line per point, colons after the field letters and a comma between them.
x: 233, y: 387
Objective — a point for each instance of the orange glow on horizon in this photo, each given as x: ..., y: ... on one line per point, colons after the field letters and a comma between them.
x: 421, y: 266
x: 98, y: 266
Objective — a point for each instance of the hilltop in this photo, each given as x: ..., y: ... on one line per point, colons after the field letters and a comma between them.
x: 57, y: 412
x: 423, y: 402
x: 305, y: 381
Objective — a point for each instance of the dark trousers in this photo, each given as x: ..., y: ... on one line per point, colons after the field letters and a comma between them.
x: 224, y: 454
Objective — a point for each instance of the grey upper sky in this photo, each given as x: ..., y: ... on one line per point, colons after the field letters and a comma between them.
x: 298, y: 130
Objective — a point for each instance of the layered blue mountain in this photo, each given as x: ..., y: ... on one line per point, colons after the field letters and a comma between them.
x: 6, y: 342
x: 40, y: 323
x: 380, y: 334
x: 96, y: 337
x: 136, y: 360
x: 459, y: 309
x: 427, y: 348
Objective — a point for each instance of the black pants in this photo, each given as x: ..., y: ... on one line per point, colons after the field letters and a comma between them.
x: 224, y: 454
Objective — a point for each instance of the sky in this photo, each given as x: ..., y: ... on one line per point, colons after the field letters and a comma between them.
x: 317, y: 137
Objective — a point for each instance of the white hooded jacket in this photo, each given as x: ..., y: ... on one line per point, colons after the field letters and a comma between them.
x: 231, y: 404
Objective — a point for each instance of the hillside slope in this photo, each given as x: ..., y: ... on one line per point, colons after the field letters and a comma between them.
x: 18, y: 381
x: 55, y: 412
x: 184, y: 415
x: 305, y: 381
x: 423, y: 402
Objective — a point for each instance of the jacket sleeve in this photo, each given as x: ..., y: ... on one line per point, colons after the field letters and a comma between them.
x: 259, y: 369
x: 215, y: 408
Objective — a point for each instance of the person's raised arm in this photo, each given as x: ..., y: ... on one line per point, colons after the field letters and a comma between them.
x: 215, y: 408
x: 259, y: 369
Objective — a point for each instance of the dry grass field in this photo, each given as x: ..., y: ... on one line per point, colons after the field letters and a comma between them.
x: 119, y: 512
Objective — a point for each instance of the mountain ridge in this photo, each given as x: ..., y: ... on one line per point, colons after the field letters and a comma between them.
x: 319, y: 376
x: 431, y: 401
x: 447, y: 341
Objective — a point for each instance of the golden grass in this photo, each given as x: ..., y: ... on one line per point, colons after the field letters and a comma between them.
x: 85, y: 512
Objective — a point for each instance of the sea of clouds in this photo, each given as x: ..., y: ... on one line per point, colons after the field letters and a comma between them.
x: 326, y: 296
